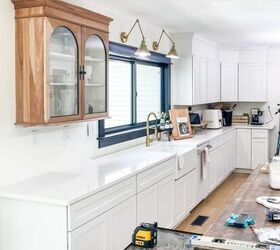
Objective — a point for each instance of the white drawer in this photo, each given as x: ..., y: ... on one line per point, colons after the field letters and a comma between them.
x: 217, y: 143
x: 155, y: 174
x: 89, y: 208
x: 259, y: 133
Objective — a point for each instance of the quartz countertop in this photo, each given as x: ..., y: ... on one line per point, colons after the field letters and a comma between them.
x: 93, y: 175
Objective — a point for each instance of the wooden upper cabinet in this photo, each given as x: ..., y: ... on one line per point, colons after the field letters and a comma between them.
x: 61, y: 62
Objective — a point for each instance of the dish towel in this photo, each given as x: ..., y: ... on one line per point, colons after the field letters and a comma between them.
x: 181, y: 161
x: 204, y: 161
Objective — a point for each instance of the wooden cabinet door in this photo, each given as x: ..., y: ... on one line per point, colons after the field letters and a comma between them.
x: 213, y: 81
x: 92, y: 235
x: 252, y: 82
x: 259, y: 152
x: 63, y: 58
x: 229, y: 82
x: 147, y: 202
x: 95, y: 79
x: 165, y: 205
x: 122, y: 224
x: 243, y: 157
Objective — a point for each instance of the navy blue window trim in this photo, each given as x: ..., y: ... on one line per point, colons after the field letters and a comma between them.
x: 111, y: 136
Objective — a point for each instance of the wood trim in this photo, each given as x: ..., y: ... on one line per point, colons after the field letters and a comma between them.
x: 86, y: 34
x: 62, y: 6
x: 53, y: 24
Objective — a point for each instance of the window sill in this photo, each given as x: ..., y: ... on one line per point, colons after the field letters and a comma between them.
x: 121, y: 137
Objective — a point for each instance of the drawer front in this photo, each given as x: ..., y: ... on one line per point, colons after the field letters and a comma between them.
x: 259, y: 133
x: 89, y: 208
x: 155, y: 174
x: 217, y: 143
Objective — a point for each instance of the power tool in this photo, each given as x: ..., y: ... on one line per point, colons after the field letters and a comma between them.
x: 145, y: 235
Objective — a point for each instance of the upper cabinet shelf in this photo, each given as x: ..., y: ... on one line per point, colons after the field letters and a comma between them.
x: 61, y: 63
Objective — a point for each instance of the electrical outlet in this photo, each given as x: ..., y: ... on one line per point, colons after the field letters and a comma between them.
x: 90, y: 129
x: 35, y: 139
x: 66, y: 133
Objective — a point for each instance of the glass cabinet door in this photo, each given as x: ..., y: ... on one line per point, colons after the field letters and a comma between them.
x: 63, y: 74
x: 95, y: 76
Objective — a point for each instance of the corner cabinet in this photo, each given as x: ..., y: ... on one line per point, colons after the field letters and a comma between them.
x: 61, y: 63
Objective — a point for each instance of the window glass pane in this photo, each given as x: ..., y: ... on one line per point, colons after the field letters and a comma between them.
x: 148, y: 91
x: 119, y: 94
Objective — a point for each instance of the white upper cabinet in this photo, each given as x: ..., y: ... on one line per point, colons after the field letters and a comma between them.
x: 229, y: 82
x: 252, y: 75
x: 229, y: 75
x: 252, y: 82
x: 200, y: 88
x: 213, y: 77
x: 196, y: 72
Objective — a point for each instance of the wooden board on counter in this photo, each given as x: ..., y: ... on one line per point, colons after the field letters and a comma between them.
x: 245, y: 202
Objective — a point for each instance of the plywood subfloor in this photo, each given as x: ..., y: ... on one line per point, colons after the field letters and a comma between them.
x: 214, y: 204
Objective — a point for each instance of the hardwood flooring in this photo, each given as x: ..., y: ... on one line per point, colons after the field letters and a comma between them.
x: 214, y: 204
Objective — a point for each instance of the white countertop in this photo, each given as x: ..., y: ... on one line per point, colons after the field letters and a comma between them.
x: 94, y: 175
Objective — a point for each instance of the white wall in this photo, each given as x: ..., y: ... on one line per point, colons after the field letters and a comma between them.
x: 26, y: 152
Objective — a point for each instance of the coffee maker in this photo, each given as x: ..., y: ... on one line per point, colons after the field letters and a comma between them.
x: 257, y: 116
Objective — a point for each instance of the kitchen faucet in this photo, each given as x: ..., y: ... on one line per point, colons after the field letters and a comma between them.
x: 148, y: 140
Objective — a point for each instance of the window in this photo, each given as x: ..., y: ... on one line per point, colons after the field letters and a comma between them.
x: 136, y: 88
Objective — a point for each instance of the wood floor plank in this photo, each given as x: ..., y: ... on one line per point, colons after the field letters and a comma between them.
x: 214, y: 204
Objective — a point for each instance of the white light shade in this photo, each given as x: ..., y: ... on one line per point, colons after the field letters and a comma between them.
x: 143, y: 50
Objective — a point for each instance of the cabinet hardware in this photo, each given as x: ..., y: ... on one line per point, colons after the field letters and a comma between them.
x: 82, y: 72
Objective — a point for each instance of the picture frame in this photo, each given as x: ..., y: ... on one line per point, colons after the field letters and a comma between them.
x: 181, y: 124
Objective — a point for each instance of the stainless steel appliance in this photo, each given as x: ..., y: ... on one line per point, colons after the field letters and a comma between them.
x: 257, y: 116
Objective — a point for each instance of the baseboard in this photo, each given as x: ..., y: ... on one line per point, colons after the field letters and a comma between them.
x: 242, y: 171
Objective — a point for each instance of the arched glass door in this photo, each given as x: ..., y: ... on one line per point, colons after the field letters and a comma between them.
x: 63, y: 75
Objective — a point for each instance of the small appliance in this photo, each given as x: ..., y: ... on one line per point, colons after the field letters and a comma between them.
x: 227, y: 117
x: 213, y: 117
x: 194, y: 118
x: 257, y: 116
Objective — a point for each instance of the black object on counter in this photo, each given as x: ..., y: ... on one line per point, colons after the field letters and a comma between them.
x: 227, y: 117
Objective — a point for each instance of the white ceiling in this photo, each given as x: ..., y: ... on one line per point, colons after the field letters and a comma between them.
x: 237, y: 22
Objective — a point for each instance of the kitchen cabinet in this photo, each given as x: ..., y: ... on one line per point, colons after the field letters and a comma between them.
x: 229, y: 82
x: 259, y: 147
x: 111, y: 230
x: 71, y: 82
x: 200, y: 80
x: 252, y: 82
x: 213, y: 82
x: 185, y: 195
x: 244, y: 149
x: 156, y: 203
x: 229, y: 152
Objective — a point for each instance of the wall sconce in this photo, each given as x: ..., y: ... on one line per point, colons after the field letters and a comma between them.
x: 172, y: 53
x: 142, y: 50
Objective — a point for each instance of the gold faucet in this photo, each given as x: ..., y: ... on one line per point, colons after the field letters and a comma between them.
x: 148, y: 140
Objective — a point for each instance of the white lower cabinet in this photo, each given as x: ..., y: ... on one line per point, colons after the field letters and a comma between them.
x: 109, y: 231
x: 259, y: 147
x: 243, y: 151
x: 213, y: 170
x: 185, y: 195
x: 155, y: 203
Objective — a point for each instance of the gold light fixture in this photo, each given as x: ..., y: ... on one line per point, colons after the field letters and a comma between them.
x: 172, y: 53
x: 142, y: 51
